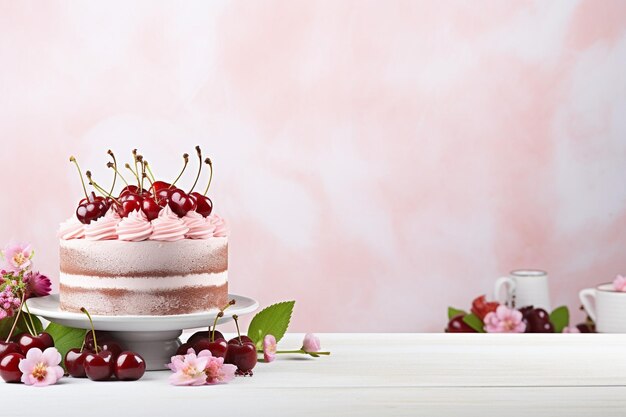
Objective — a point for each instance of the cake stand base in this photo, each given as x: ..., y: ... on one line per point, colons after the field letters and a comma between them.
x: 155, y: 338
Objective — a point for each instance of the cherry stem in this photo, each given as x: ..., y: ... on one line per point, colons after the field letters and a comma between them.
x: 208, y: 162
x: 100, y: 189
x: 17, y: 317
x: 146, y: 176
x: 219, y: 315
x: 114, y: 166
x: 149, y: 170
x: 110, y: 152
x: 131, y: 170
x: 186, y: 158
x: 140, y: 160
x: 93, y: 330
x: 30, y: 317
x: 199, y: 152
x: 236, y: 317
x: 72, y: 159
x: 135, y: 164
x: 301, y: 351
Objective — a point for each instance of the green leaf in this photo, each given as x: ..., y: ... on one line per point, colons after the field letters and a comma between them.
x: 65, y: 338
x: 272, y: 320
x: 559, y: 318
x: 7, y: 323
x: 474, y: 322
x: 452, y: 312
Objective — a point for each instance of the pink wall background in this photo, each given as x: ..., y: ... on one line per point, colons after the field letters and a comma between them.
x: 378, y: 161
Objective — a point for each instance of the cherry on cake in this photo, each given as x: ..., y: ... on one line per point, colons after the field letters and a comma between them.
x: 154, y: 249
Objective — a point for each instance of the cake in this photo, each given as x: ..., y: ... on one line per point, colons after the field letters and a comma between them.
x: 149, y: 251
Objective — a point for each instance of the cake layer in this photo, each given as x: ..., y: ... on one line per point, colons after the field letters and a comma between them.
x: 115, y: 258
x: 116, y: 301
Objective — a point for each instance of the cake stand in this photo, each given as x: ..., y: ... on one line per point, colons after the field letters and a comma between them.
x: 153, y: 337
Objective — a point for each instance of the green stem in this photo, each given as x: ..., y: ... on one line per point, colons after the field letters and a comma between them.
x: 17, y: 317
x: 304, y: 352
x: 93, y: 330
x: 150, y: 171
x: 30, y: 317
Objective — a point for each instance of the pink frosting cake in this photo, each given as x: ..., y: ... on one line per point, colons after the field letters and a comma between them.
x: 133, y: 266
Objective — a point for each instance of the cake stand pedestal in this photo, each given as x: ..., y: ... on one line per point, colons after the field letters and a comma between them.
x: 153, y: 337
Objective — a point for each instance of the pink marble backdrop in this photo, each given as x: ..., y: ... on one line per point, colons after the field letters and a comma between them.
x: 378, y: 161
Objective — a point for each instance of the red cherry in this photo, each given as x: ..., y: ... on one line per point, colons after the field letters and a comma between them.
x: 457, y: 325
x: 75, y: 362
x: 163, y: 196
x: 129, y: 189
x: 184, y: 348
x: 9, y: 367
x: 481, y: 307
x: 218, y: 347
x: 243, y: 356
x: 42, y: 341
x: 90, y: 211
x: 129, y: 203
x: 204, y: 205
x: 244, y: 339
x: 129, y: 366
x: 9, y: 347
x: 180, y: 203
x: 158, y: 186
x: 204, y: 334
x: 150, y: 208
x: 99, y: 366
x: 103, y: 338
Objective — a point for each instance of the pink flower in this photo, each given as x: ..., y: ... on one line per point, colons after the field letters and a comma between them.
x: 269, y: 348
x: 10, y: 301
x: 216, y: 370
x: 311, y: 343
x: 570, y: 329
x: 17, y: 257
x: 619, y: 283
x: 37, y: 285
x: 188, y: 369
x: 41, y: 368
x: 504, y: 320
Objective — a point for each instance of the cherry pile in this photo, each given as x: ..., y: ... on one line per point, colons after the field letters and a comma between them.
x: 148, y: 195
x: 101, y: 357
x: 239, y: 351
x: 12, y: 352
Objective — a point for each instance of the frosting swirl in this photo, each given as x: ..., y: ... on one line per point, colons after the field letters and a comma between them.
x: 221, y: 226
x: 168, y: 227
x: 199, y: 226
x: 135, y: 227
x: 104, y: 227
x: 71, y: 229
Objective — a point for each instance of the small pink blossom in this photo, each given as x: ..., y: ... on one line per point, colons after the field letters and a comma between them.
x: 269, y: 348
x: 216, y: 371
x: 17, y: 257
x: 571, y: 329
x: 10, y: 300
x: 188, y: 369
x: 311, y: 343
x: 41, y: 368
x: 619, y: 283
x: 37, y: 285
x: 504, y: 320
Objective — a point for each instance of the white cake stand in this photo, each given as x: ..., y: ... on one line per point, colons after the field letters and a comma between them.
x: 153, y: 337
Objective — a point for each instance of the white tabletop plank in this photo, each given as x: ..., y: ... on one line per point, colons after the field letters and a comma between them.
x: 378, y: 374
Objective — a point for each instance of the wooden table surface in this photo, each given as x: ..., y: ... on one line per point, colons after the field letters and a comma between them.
x: 374, y: 375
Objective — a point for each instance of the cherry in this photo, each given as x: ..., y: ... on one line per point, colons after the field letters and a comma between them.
x: 241, y: 353
x: 457, y: 325
x: 184, y: 348
x: 217, y: 347
x: 585, y: 328
x: 9, y: 367
x: 151, y: 208
x: 90, y: 211
x: 129, y: 189
x: 27, y: 342
x: 537, y: 320
x: 163, y: 196
x: 129, y: 366
x: 481, y: 307
x: 240, y: 339
x: 204, y: 205
x: 128, y: 203
x: 75, y: 362
x: 99, y: 366
x: 205, y: 334
x: 159, y: 185
x: 9, y: 347
x: 102, y: 335
x: 180, y: 202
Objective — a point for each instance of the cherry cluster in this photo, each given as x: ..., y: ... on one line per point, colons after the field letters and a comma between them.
x: 100, y: 361
x: 12, y: 352
x: 148, y: 195
x: 239, y: 351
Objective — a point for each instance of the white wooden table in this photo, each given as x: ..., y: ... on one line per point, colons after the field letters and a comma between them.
x: 374, y: 375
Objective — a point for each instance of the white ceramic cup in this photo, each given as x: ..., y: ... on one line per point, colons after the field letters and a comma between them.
x: 524, y: 287
x: 606, y: 307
